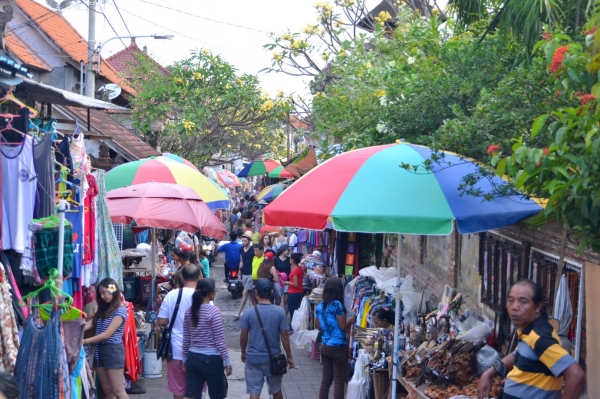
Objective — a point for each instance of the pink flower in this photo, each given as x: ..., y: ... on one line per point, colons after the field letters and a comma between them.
x: 207, y: 102
x: 586, y: 98
x: 545, y: 152
x: 493, y: 148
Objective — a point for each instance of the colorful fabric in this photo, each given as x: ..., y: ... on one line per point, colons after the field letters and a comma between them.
x: 46, y: 250
x: 109, y: 253
x: 75, y: 216
x: 539, y: 363
x: 89, y: 215
x: 133, y: 362
x: 9, y: 334
x: 366, y: 191
x: 255, y: 266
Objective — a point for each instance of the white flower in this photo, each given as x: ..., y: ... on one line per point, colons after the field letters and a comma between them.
x: 410, y: 60
x: 111, y: 288
x: 383, y: 101
x: 382, y: 128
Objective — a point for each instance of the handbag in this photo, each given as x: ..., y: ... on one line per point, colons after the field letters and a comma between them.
x: 165, y: 350
x: 278, y: 362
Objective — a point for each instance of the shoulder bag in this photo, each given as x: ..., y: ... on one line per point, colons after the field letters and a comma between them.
x: 277, y: 362
x: 165, y: 350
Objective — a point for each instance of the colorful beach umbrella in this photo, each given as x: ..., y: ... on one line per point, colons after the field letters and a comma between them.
x: 366, y: 191
x: 281, y: 173
x: 259, y: 167
x: 210, y: 172
x: 227, y: 178
x: 179, y: 159
x: 163, y: 205
x: 271, y: 192
x: 165, y: 170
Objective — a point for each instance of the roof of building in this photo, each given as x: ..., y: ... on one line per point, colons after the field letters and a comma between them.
x: 19, y: 47
x: 65, y: 36
x: 125, y: 60
x: 126, y: 140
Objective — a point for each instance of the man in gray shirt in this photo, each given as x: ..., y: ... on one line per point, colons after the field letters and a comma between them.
x: 252, y: 342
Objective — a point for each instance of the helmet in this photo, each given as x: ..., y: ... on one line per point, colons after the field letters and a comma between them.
x: 184, y: 246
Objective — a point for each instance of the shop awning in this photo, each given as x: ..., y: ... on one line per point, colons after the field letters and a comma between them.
x: 48, y: 94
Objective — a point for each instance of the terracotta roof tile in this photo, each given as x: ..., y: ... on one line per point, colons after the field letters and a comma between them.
x: 17, y: 46
x: 65, y: 36
x: 124, y: 138
x: 124, y: 60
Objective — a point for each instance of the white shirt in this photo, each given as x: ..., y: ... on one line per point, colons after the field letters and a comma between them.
x: 166, y: 311
x: 183, y: 236
x: 293, y: 242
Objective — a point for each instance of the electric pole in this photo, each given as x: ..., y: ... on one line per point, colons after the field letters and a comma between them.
x: 90, y: 77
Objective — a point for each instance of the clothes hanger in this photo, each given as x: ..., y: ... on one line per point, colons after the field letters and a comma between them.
x: 55, y: 292
x: 9, y: 96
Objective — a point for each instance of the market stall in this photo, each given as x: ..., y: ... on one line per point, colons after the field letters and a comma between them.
x: 367, y: 191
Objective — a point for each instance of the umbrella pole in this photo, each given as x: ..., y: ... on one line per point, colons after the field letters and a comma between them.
x: 397, y: 318
x: 153, y: 286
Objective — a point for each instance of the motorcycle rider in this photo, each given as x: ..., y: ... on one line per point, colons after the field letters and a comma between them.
x: 232, y: 253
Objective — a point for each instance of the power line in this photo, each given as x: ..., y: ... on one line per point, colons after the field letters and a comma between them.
x: 208, y: 19
x: 120, y: 15
x: 188, y: 37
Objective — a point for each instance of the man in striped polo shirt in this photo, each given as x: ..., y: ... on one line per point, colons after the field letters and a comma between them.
x: 539, y: 368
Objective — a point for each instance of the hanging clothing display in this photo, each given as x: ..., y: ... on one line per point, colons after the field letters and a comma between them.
x: 62, y: 153
x: 43, y: 159
x: 133, y: 365
x: 9, y: 334
x: 109, y: 253
x: 18, y: 193
x: 46, y: 246
x: 89, y: 216
x: 37, y: 370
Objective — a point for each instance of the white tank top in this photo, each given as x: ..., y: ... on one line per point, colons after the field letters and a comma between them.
x: 19, y: 184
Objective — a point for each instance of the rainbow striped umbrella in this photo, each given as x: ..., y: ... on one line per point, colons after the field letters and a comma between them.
x: 165, y: 170
x: 271, y: 192
x: 366, y: 191
x: 179, y: 159
x: 281, y: 173
x: 259, y: 167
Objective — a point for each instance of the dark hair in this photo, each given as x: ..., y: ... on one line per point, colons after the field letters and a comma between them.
x: 297, y: 257
x: 106, y: 309
x: 248, y: 223
x: 280, y: 251
x: 235, y: 210
x: 333, y: 291
x: 204, y: 288
x: 262, y: 238
x: 193, y: 258
x: 260, y: 247
x: 385, y: 314
x: 184, y: 255
x: 176, y: 251
x: 537, y: 293
x: 8, y: 386
x: 233, y: 236
x: 190, y: 272
x: 247, y: 196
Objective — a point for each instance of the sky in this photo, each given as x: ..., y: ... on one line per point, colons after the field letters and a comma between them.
x: 239, y: 45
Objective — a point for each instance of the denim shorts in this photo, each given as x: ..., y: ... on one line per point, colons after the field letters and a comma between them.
x: 248, y: 282
x: 255, y: 378
x: 110, y: 356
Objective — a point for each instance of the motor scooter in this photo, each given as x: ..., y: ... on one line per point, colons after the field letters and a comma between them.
x: 209, y: 248
x: 234, y: 286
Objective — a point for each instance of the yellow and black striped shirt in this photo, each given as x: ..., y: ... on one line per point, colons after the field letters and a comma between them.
x: 539, y: 363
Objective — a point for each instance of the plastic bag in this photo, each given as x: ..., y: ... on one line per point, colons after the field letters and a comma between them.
x: 486, y: 358
x: 300, y: 320
x: 358, y: 383
x: 477, y: 334
x: 304, y: 337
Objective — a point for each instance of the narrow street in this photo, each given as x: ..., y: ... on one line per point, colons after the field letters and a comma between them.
x: 300, y: 383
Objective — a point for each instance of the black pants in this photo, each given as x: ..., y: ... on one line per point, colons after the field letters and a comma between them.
x: 205, y: 368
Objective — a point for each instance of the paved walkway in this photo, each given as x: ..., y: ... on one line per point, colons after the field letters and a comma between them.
x: 300, y: 383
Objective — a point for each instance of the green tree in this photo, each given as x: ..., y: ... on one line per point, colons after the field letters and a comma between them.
x: 207, y: 109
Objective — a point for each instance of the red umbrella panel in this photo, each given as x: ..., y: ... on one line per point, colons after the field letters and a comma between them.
x: 163, y: 205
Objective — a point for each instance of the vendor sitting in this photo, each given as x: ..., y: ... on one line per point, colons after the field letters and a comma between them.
x: 384, y: 318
